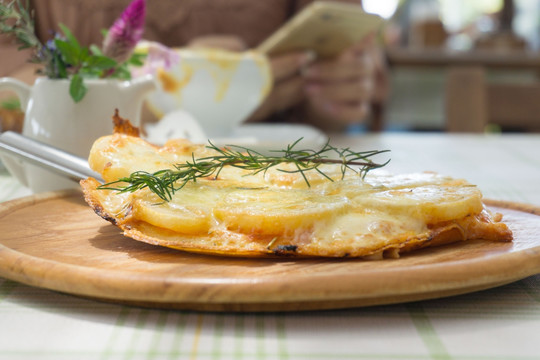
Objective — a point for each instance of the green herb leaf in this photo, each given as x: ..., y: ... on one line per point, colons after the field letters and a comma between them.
x: 70, y: 38
x: 57, y: 68
x: 100, y: 62
x: 137, y: 59
x: 95, y: 50
x: 71, y: 55
x: 77, y: 89
x: 121, y: 72
x: 11, y: 104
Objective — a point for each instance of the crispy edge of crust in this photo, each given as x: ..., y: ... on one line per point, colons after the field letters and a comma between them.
x: 124, y: 126
x: 88, y: 186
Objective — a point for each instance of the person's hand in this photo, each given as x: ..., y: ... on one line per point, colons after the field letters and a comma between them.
x: 288, y: 84
x: 339, y: 91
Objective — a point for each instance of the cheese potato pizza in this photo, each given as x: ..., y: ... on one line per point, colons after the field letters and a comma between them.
x: 330, y: 211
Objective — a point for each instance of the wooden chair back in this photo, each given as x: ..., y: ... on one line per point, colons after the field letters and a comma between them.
x: 472, y: 103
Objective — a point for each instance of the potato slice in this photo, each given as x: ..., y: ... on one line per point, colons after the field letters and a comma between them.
x: 189, y: 211
x: 430, y: 203
x: 276, y: 211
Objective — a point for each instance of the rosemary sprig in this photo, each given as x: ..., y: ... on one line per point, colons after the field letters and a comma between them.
x: 17, y: 21
x: 165, y: 183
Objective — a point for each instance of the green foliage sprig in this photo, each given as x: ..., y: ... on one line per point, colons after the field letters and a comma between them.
x: 62, y: 57
x: 165, y: 183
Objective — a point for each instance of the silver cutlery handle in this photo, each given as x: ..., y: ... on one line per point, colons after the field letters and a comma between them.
x: 46, y: 156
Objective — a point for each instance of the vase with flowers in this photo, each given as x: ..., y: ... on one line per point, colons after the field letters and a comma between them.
x: 70, y: 105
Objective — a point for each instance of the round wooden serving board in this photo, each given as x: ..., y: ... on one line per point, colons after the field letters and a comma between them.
x: 55, y: 241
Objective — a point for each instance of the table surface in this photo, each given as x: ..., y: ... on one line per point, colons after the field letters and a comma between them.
x: 500, y: 323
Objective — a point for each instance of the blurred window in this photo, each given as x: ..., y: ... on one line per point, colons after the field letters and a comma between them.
x: 384, y: 8
x: 478, y: 16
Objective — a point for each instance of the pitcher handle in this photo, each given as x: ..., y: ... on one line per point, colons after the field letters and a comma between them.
x: 16, y: 166
x: 18, y: 87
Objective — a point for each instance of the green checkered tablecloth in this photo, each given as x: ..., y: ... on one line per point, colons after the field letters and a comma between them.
x: 500, y: 323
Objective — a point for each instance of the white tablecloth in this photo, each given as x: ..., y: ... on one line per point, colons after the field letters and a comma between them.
x: 500, y: 323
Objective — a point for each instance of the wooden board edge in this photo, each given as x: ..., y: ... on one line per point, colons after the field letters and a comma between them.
x: 30, y: 200
x: 513, y: 205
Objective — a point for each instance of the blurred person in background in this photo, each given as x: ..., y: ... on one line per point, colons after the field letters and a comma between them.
x: 330, y: 94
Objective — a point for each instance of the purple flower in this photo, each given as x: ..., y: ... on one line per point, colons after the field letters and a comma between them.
x: 126, y: 31
x: 158, y: 57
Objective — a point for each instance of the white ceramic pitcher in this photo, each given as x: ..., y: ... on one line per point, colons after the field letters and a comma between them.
x: 52, y: 117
